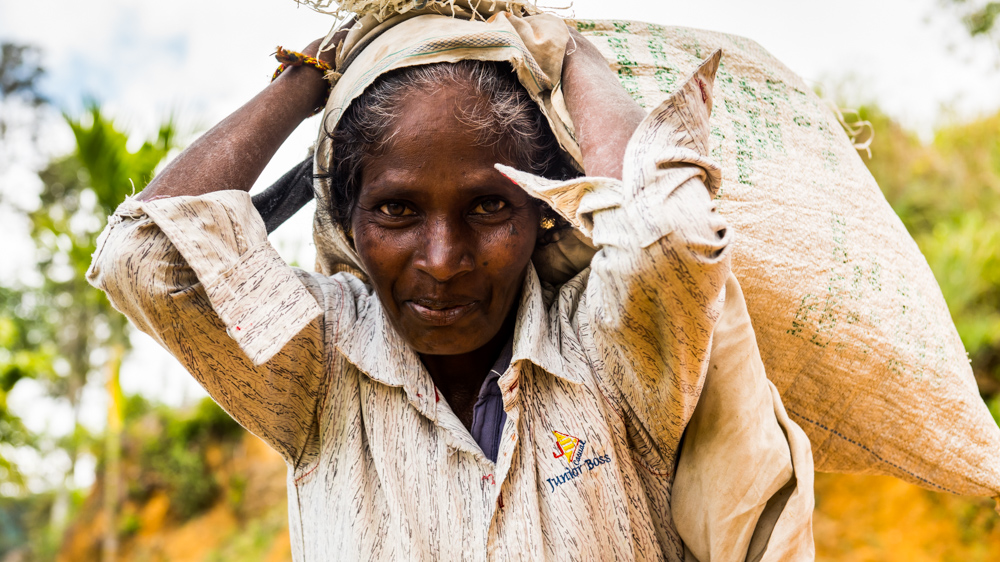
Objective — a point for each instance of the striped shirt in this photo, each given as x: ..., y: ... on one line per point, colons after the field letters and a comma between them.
x: 639, y: 422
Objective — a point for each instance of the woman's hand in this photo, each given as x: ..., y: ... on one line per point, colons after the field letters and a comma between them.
x: 232, y: 154
x: 603, y: 113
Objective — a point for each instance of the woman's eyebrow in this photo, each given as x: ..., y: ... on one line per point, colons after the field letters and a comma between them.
x: 391, y: 190
x: 397, y: 186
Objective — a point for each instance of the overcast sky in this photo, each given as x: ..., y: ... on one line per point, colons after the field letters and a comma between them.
x: 203, y: 58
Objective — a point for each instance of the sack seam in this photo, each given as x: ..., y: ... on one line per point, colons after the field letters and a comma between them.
x: 876, y: 455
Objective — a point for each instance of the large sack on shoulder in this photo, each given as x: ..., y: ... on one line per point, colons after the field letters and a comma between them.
x: 852, y: 327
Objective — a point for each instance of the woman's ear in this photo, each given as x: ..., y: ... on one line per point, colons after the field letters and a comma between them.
x: 348, y: 230
x: 547, y: 223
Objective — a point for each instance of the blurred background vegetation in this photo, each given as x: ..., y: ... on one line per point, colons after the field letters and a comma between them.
x: 192, y: 485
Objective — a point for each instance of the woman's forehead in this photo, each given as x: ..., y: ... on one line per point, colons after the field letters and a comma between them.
x: 436, y: 161
x: 436, y: 126
x: 446, y: 106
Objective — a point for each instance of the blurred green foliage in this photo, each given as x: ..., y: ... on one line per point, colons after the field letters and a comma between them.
x: 59, y: 331
x: 980, y: 17
x: 54, y: 327
x: 170, y: 447
x: 26, y: 525
x: 21, y: 72
x: 23, y: 353
x: 20, y: 518
x: 253, y: 541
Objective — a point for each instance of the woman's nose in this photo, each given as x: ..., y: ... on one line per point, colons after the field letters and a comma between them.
x: 446, y: 252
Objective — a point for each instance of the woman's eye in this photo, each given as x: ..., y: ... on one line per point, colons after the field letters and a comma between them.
x: 489, y: 206
x: 396, y: 210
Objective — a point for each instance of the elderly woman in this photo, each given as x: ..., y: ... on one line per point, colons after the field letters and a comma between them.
x: 440, y: 401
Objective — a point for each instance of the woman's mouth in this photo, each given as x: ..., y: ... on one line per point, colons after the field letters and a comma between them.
x: 439, y: 313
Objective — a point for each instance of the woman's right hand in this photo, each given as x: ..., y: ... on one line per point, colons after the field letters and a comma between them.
x: 330, y: 54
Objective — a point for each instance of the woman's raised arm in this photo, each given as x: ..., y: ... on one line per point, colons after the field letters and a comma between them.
x: 603, y: 113
x: 653, y: 293
x: 198, y: 274
x: 232, y: 154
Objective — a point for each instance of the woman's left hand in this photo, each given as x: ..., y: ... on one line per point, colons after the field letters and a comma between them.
x: 603, y: 113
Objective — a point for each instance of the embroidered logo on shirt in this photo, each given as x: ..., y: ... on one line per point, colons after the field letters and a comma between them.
x: 569, y: 448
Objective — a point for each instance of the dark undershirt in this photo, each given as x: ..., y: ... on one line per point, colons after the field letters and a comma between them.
x: 488, y: 415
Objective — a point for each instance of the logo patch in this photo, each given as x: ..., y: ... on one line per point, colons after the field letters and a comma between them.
x: 569, y: 448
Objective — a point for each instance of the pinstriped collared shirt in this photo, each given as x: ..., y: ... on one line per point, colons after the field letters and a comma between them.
x: 608, y: 372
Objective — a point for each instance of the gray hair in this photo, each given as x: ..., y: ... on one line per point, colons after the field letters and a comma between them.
x: 503, y: 116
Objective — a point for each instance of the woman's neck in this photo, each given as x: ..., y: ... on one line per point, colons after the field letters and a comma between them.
x: 459, y: 377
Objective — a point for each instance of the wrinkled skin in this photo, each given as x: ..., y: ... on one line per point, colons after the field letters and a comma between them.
x: 445, y: 238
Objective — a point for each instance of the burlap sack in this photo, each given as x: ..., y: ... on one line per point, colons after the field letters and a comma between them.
x: 851, y: 325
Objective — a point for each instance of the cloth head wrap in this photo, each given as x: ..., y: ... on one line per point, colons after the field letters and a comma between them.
x: 534, y: 45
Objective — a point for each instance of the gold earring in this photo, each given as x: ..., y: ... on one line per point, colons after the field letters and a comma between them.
x: 548, y: 223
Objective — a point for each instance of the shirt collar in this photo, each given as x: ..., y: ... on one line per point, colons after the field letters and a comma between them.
x: 536, y: 335
x: 490, y: 386
x: 375, y: 348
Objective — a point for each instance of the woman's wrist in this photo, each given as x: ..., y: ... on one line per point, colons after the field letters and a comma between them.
x: 303, y: 88
x: 309, y: 78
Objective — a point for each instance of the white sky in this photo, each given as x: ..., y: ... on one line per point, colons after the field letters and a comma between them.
x: 204, y: 58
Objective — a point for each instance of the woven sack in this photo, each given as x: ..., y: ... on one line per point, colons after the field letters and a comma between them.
x: 852, y: 327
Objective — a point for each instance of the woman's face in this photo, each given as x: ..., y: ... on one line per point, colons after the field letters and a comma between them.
x: 445, y: 238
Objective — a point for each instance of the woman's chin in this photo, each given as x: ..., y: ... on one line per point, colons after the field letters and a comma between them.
x: 446, y: 342
x: 452, y: 339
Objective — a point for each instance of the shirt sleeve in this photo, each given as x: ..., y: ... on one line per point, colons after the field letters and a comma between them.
x: 655, y: 288
x: 743, y: 488
x: 199, y: 276
x: 676, y: 352
x: 654, y: 292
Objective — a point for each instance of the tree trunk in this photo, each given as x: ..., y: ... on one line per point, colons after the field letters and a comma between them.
x: 112, y: 451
